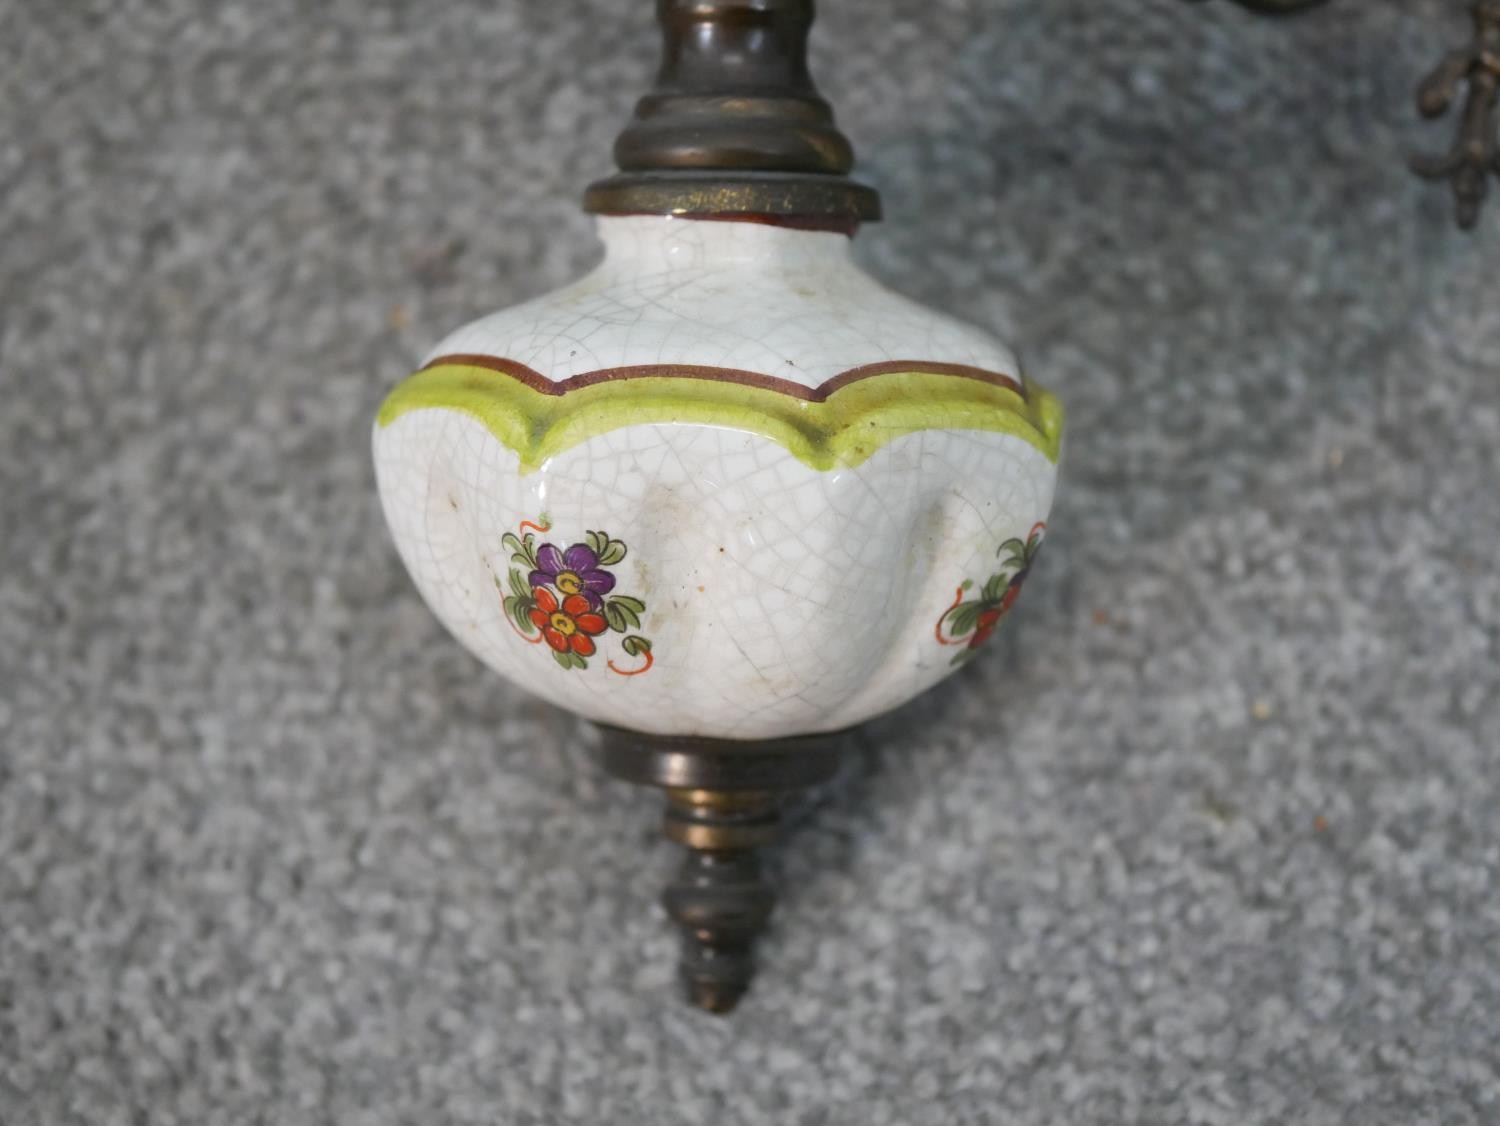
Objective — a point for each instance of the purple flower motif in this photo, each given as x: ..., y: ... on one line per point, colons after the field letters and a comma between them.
x: 575, y: 571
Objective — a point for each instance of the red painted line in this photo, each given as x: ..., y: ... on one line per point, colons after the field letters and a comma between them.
x: 650, y: 660
x: 540, y: 383
x: 937, y: 630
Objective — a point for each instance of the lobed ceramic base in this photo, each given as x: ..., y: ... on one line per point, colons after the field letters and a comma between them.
x: 726, y: 485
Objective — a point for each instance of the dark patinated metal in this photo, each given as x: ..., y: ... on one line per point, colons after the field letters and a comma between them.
x: 1475, y: 154
x: 1279, y: 7
x: 734, y: 125
x: 724, y: 802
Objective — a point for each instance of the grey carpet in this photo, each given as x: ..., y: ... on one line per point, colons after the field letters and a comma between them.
x: 1210, y: 837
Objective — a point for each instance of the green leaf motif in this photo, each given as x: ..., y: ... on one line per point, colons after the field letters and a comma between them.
x: 519, y: 610
x: 615, y: 617
x: 518, y: 585
x: 964, y: 617
x: 626, y: 610
x: 994, y: 589
x: 1015, y: 554
x: 519, y: 603
x: 608, y: 551
x: 521, y: 551
x: 635, y: 645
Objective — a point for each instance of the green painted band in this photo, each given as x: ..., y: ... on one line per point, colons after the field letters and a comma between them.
x: 840, y: 424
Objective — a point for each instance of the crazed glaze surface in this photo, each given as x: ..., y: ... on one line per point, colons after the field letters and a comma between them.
x: 726, y: 484
x: 750, y: 296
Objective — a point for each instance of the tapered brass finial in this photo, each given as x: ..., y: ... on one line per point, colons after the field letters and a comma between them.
x: 724, y: 802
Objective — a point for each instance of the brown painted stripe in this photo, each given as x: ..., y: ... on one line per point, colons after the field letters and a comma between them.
x: 832, y: 224
x: 539, y: 382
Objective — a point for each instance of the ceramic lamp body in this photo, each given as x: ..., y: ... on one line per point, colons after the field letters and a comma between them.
x: 725, y: 485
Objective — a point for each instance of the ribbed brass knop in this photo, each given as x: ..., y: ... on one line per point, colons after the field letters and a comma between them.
x: 724, y: 802
x: 734, y: 124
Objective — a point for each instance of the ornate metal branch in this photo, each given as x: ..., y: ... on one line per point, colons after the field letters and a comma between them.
x: 1476, y: 151
x: 1279, y: 7
x: 1475, y: 154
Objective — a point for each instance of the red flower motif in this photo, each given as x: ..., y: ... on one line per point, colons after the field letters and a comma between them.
x: 985, y: 627
x: 990, y: 619
x: 974, y: 622
x: 570, y: 625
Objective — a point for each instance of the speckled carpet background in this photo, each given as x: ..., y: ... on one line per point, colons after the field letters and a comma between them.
x: 1211, y: 836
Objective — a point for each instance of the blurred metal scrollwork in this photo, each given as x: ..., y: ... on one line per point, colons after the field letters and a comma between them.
x: 1475, y: 154
x: 1278, y: 7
